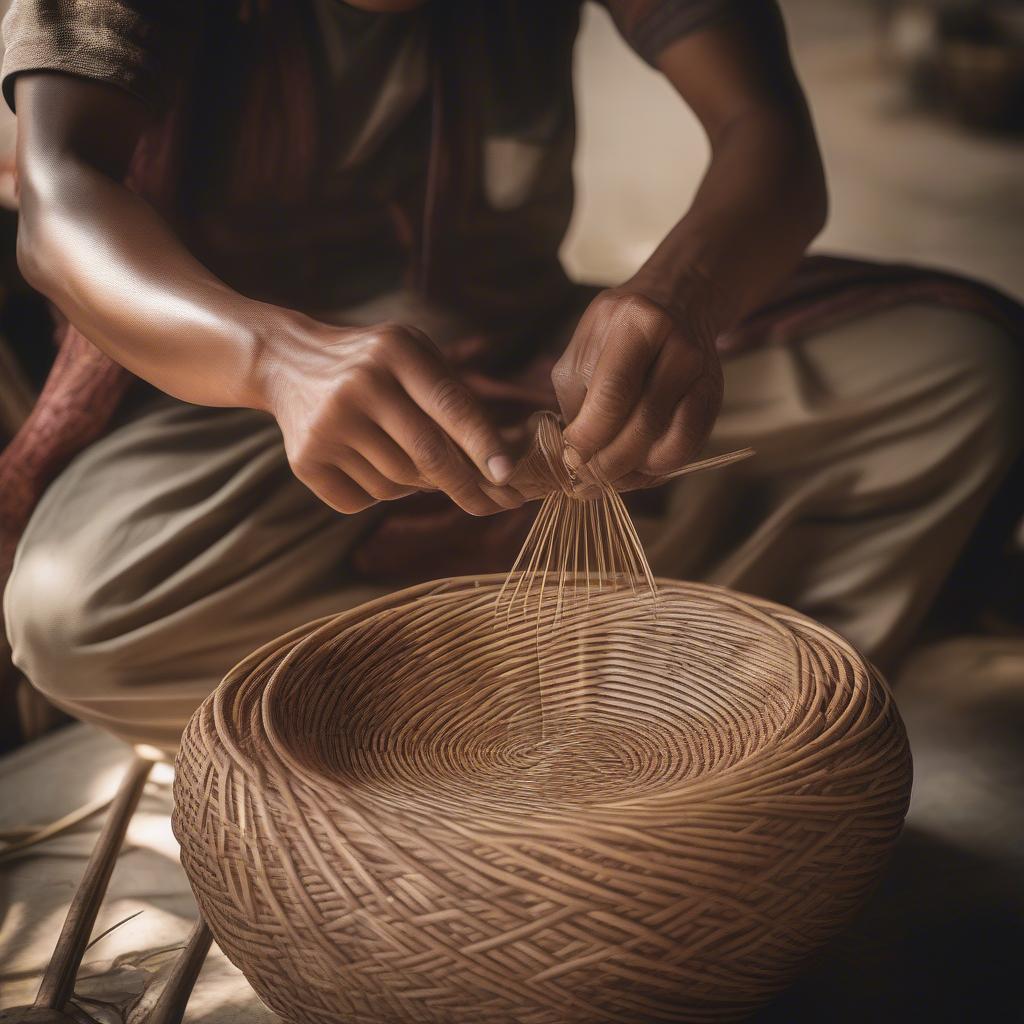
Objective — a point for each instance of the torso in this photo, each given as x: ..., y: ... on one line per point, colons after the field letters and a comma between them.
x: 503, y: 192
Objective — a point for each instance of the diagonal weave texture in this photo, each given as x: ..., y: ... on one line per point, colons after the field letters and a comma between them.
x: 639, y: 811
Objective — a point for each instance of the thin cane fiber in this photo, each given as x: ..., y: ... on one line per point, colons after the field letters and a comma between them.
x: 580, y: 805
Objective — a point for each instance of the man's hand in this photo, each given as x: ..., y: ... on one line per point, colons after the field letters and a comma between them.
x: 639, y: 386
x: 367, y: 414
x: 372, y: 414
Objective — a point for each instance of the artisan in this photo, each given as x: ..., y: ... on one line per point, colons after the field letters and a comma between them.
x: 309, y: 225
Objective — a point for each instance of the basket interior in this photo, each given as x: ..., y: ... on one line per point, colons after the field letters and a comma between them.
x: 442, y: 704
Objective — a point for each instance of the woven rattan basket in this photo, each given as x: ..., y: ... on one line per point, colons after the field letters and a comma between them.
x: 629, y: 810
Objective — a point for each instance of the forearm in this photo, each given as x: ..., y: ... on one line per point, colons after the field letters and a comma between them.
x: 116, y: 270
x: 640, y: 383
x: 760, y: 204
x: 763, y: 197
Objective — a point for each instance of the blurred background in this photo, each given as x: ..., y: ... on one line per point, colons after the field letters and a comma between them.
x: 919, y: 106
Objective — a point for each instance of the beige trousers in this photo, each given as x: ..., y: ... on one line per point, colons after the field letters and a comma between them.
x: 180, y: 542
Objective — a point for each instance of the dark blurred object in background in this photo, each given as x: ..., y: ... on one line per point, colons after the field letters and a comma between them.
x: 964, y: 58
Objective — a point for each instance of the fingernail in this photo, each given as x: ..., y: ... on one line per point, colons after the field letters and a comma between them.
x: 500, y: 468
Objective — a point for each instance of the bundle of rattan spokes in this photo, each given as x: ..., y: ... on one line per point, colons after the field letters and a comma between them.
x: 445, y: 807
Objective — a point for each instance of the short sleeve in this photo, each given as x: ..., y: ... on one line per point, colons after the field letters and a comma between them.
x: 650, y: 26
x: 141, y: 46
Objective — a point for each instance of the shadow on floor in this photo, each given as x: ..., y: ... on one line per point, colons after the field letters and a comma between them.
x: 941, y: 940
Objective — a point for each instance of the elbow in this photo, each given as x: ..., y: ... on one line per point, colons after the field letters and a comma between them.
x: 806, y: 202
x: 802, y: 173
x: 817, y: 200
x: 813, y: 191
x: 30, y: 261
x: 815, y: 206
x: 37, y: 207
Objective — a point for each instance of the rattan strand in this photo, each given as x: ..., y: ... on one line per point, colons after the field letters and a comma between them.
x: 635, y: 811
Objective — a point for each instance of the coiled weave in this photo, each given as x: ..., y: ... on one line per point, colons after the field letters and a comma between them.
x: 635, y: 810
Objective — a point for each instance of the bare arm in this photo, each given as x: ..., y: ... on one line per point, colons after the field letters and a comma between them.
x: 641, y: 382
x: 763, y: 198
x: 366, y: 413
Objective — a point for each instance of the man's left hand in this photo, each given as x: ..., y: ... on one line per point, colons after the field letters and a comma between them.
x: 640, y: 387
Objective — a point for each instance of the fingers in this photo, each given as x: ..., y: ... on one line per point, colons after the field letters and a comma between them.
x: 387, y: 418
x: 688, y: 430
x: 335, y: 488
x: 369, y: 459
x: 673, y: 375
x: 571, y: 373
x: 381, y: 451
x: 436, y: 457
x: 626, y: 333
x: 692, y: 423
x: 370, y: 479
x: 612, y: 394
x: 455, y: 409
x: 641, y: 389
x: 505, y: 497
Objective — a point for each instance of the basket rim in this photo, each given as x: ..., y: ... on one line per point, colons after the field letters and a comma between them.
x: 709, y: 790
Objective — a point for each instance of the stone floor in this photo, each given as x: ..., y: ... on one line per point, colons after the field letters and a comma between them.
x: 941, y: 940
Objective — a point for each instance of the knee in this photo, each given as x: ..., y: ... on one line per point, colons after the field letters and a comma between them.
x: 51, y: 627
x: 959, y: 378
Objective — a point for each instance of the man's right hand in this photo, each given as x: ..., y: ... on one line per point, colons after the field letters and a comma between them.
x: 371, y: 414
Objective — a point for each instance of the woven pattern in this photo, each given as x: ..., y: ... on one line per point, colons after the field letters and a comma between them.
x: 638, y: 810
